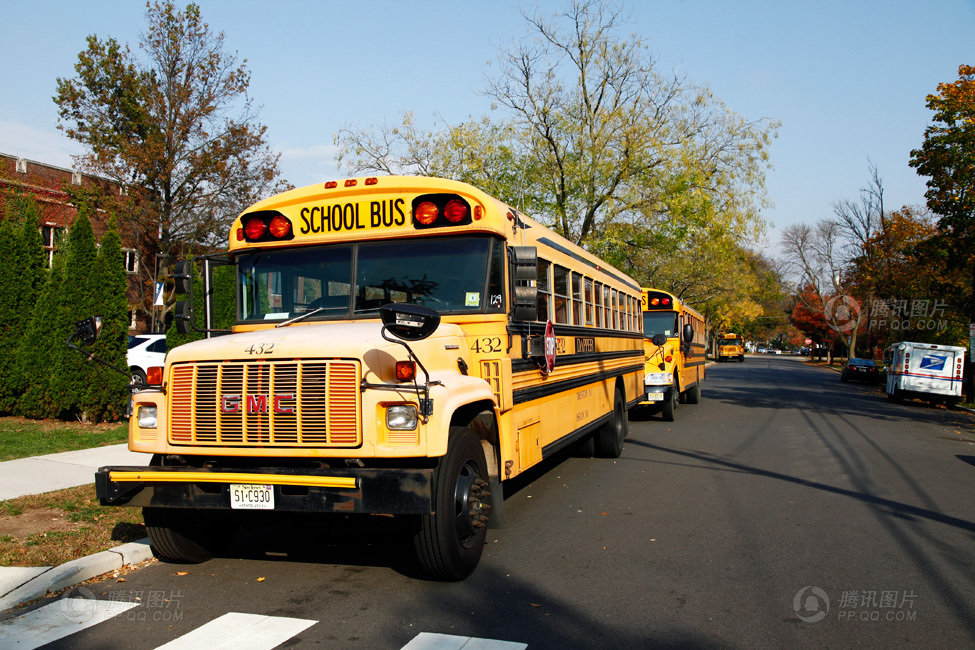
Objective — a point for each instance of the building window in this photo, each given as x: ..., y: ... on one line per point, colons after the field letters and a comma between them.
x: 50, y: 236
x: 21, y: 165
x: 131, y: 260
x: 76, y: 178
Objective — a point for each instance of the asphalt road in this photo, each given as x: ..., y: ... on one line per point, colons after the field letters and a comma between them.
x: 786, y: 509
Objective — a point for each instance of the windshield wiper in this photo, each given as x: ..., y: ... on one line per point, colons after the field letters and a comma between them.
x: 298, y: 319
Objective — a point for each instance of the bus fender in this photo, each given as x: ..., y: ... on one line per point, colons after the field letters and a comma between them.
x: 457, y: 392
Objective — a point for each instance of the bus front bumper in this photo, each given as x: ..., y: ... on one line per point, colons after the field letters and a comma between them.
x: 345, y: 491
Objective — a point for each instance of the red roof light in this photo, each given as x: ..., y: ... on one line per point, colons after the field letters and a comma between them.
x: 254, y: 228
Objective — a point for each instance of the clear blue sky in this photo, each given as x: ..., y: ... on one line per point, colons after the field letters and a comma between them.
x: 847, y: 79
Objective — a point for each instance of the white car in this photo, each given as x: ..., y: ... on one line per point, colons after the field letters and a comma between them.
x: 145, y: 351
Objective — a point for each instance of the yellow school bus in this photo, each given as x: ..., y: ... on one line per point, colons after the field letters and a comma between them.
x: 674, y: 346
x: 403, y: 346
x: 731, y: 347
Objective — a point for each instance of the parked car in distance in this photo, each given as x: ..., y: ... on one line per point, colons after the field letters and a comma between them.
x: 861, y: 370
x: 145, y: 351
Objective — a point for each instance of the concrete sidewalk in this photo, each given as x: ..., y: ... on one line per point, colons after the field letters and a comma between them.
x: 55, y: 472
x: 62, y: 470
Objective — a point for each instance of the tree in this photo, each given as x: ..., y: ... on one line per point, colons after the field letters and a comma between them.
x: 175, y: 127
x: 814, y: 257
x: 597, y: 143
x: 947, y: 158
x: 71, y: 374
x: 10, y: 250
x: 21, y: 278
x: 40, y: 349
x: 108, y: 391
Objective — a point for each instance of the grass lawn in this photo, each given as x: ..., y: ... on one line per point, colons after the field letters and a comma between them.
x: 20, y: 438
x: 52, y: 528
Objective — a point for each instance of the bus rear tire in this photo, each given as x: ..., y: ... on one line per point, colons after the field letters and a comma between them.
x: 186, y: 536
x: 609, y: 438
x: 449, y: 542
x: 693, y: 394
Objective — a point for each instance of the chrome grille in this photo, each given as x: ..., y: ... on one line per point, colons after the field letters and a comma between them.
x: 265, y: 404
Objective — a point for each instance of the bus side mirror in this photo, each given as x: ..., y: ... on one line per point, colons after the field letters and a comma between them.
x: 524, y: 274
x: 183, y: 276
x: 409, y: 322
x: 182, y: 317
x: 659, y: 339
x: 688, y: 334
x: 88, y: 330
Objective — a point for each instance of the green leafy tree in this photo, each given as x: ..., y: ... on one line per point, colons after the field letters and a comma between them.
x: 41, y: 347
x: 11, y: 253
x: 71, y: 372
x: 947, y: 158
x: 596, y: 143
x: 21, y: 279
x: 108, y: 391
x: 174, y: 125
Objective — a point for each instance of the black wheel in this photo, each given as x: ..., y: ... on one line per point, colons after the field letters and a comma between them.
x: 671, y: 401
x: 449, y: 542
x: 187, y: 536
x: 693, y: 394
x: 609, y: 438
x: 741, y: 358
x: 137, y: 376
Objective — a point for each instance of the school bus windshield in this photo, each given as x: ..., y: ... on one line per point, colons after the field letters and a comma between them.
x: 450, y: 275
x: 659, y: 322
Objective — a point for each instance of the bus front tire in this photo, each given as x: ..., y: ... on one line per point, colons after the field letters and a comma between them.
x: 186, y: 536
x: 609, y: 438
x: 670, y: 402
x: 449, y: 542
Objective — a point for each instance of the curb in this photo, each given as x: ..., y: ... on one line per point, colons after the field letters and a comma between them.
x: 43, y: 580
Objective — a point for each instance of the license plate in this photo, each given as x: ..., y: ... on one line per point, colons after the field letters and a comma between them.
x: 655, y: 397
x: 252, y: 497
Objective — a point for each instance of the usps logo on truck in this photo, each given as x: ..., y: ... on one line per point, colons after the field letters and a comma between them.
x: 933, y: 362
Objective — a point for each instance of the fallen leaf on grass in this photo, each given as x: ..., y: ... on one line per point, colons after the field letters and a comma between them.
x: 261, y: 579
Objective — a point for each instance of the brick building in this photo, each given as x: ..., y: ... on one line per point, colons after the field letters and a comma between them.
x: 46, y: 185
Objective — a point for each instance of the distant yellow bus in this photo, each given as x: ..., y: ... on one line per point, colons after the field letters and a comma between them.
x: 731, y: 347
x: 403, y: 345
x: 674, y: 337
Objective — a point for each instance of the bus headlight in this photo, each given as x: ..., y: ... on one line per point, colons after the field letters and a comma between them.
x: 147, y: 416
x: 658, y: 378
x: 401, y: 417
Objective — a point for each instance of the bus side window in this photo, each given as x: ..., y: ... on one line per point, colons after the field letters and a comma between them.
x: 577, y: 301
x: 561, y: 294
x: 607, y: 308
x: 544, y: 291
x: 589, y: 303
x: 599, y: 304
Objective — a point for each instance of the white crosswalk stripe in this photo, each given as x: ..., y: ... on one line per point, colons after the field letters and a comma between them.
x: 240, y: 632
x: 232, y: 631
x: 56, y: 620
x: 430, y: 641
